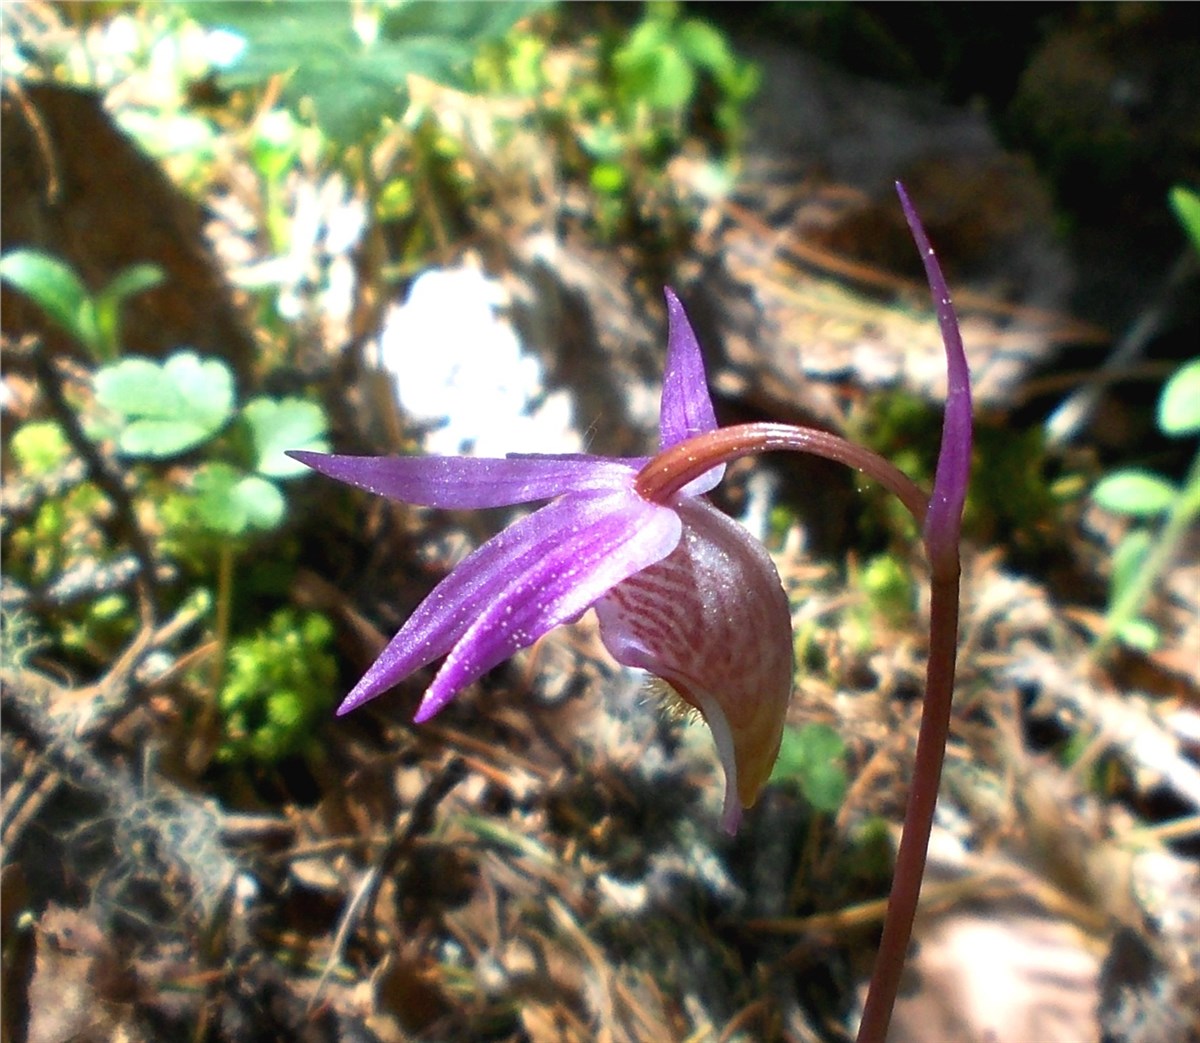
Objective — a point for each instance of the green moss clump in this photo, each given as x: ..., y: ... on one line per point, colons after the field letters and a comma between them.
x: 279, y: 685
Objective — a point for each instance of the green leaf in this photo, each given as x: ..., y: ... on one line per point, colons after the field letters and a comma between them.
x: 467, y: 22
x: 651, y: 69
x: 1186, y: 205
x: 56, y: 289
x: 1128, y: 559
x: 1179, y: 406
x: 354, y: 83
x: 705, y: 46
x: 1140, y: 494
x: 132, y: 281
x: 1139, y: 634
x: 262, y: 501
x: 311, y: 46
x: 230, y: 502
x: 813, y: 757
x: 279, y: 425
x: 215, y: 506
x: 131, y: 385
x: 166, y: 408
x: 605, y: 143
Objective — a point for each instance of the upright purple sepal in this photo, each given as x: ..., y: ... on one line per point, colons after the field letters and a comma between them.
x: 687, y: 408
x: 943, y: 522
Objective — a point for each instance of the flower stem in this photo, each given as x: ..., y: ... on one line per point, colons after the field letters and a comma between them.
x: 918, y: 817
x: 673, y: 468
x: 942, y: 532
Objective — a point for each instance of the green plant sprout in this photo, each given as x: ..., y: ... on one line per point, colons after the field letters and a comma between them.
x: 1186, y: 205
x: 1143, y: 554
x: 152, y: 410
x: 160, y: 410
x: 625, y: 114
x: 348, y: 64
x: 656, y: 75
x: 92, y: 319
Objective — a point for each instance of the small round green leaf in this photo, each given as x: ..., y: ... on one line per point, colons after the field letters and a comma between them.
x: 159, y: 439
x: 262, y: 501
x: 1179, y: 406
x: 277, y: 425
x: 216, y: 507
x: 205, y: 388
x: 1140, y: 494
x: 814, y: 758
x: 166, y: 408
x: 131, y: 387
x: 231, y: 503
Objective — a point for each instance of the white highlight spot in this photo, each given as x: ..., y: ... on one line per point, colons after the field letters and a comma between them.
x: 453, y: 359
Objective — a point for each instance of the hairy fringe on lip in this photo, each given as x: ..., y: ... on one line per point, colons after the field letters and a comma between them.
x: 672, y: 705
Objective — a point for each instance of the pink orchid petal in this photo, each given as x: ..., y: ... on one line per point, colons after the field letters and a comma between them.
x: 441, y: 620
x: 607, y: 541
x: 456, y: 604
x: 713, y: 621
x: 469, y: 482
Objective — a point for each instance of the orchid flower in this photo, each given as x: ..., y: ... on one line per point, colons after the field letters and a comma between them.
x: 679, y: 589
